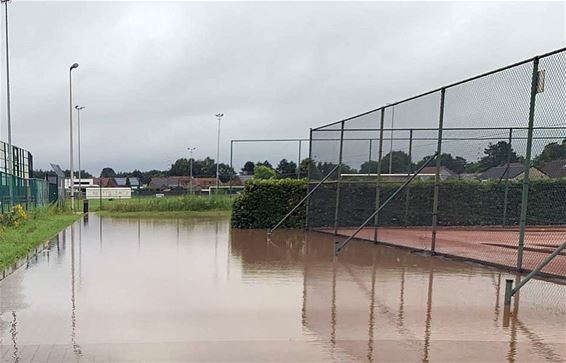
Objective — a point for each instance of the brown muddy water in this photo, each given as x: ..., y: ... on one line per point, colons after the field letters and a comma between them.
x: 195, y: 290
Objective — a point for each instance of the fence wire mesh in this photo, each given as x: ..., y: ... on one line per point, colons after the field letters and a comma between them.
x: 29, y: 193
x: 287, y: 156
x: 496, y: 192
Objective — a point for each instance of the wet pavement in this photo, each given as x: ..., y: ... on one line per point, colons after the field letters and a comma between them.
x: 195, y: 290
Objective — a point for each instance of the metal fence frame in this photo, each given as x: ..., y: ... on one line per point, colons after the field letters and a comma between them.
x: 536, y: 86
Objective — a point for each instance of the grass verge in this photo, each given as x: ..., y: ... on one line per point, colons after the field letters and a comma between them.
x: 16, y: 242
x: 169, y: 207
x: 171, y: 214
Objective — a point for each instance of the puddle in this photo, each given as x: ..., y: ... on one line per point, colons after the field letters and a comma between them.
x: 195, y: 290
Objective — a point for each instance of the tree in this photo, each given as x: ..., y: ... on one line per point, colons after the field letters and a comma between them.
x: 248, y: 168
x: 286, y: 169
x: 399, y: 164
x: 455, y: 164
x: 369, y: 167
x: 205, y: 168
x: 107, y: 173
x: 304, y: 167
x: 552, y: 151
x: 496, y: 155
x: 181, y: 167
x: 225, y: 172
x: 263, y: 172
x: 265, y: 163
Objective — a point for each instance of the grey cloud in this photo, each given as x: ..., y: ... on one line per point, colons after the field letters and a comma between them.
x: 152, y: 75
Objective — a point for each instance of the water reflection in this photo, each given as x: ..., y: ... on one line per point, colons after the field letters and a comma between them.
x: 214, y: 290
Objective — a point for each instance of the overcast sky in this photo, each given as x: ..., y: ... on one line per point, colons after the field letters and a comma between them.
x: 152, y: 75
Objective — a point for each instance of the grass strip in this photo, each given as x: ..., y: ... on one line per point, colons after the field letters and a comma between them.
x: 17, y: 242
x: 167, y: 214
x: 152, y: 206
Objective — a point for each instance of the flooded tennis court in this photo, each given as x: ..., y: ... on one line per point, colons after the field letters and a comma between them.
x: 195, y: 290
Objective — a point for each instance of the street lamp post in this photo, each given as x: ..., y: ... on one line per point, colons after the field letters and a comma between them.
x: 191, y: 149
x: 9, y: 161
x: 79, y: 108
x: 72, y: 168
x: 219, y: 117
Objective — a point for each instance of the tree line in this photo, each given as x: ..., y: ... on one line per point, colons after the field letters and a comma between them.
x: 495, y: 154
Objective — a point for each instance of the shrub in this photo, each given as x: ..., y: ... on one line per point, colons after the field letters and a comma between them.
x: 15, y: 217
x: 180, y: 203
x: 461, y: 203
x: 263, y: 203
x: 264, y: 172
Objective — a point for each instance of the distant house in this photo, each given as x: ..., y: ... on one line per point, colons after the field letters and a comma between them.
x: 555, y: 168
x: 121, y: 182
x: 515, y: 171
x: 135, y: 182
x: 240, y: 180
x: 84, y: 183
x: 445, y: 173
x: 469, y: 176
x: 105, y: 182
x: 181, y: 182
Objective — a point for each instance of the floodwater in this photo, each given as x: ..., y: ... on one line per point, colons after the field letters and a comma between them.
x: 195, y: 290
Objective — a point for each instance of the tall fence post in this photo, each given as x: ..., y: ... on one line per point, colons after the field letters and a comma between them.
x: 338, y: 179
x: 231, y: 166
x: 299, y: 161
x: 310, y: 164
x: 378, y: 179
x: 369, y: 156
x: 437, y: 173
x: 409, y: 170
x: 525, y: 191
x: 506, y: 193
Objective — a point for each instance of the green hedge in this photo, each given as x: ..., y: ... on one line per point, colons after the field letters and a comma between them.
x: 264, y: 203
x: 461, y: 203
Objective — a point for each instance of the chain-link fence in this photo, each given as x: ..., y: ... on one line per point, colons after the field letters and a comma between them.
x: 29, y: 193
x: 475, y: 169
x: 288, y: 157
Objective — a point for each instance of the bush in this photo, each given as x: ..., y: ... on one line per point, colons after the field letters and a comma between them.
x: 15, y: 217
x: 264, y: 172
x: 263, y: 203
x: 461, y: 203
x: 170, y: 204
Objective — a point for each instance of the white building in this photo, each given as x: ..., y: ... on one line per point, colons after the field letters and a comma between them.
x: 85, y: 183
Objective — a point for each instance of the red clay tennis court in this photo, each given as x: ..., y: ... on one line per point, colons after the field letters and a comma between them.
x: 492, y: 245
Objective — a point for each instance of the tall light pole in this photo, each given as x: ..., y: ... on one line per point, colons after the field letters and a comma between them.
x: 191, y: 149
x: 72, y: 168
x: 219, y: 117
x: 10, y: 169
x: 79, y: 108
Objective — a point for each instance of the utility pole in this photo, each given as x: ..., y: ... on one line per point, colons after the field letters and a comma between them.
x: 219, y: 117
x: 79, y: 108
x: 191, y: 149
x: 10, y: 157
x: 71, y: 167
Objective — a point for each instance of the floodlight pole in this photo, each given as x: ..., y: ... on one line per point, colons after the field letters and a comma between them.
x: 71, y: 166
x: 10, y: 169
x: 79, y: 108
x: 191, y: 149
x: 219, y: 117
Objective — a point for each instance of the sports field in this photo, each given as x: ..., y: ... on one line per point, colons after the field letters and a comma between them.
x: 491, y: 245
